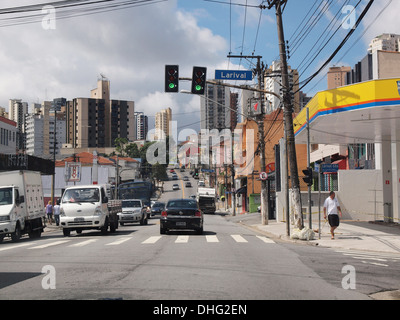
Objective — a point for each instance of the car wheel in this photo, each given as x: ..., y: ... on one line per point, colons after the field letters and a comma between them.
x: 66, y: 232
x: 199, y: 231
x: 163, y: 230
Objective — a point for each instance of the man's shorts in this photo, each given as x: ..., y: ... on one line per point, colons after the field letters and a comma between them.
x: 333, y: 220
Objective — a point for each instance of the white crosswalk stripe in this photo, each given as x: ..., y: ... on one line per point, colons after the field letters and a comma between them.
x: 265, y: 239
x: 182, y: 239
x: 152, y: 240
x: 83, y: 243
x: 373, y: 258
x: 210, y: 238
x: 51, y: 244
x: 179, y: 239
x: 238, y: 238
x: 117, y: 242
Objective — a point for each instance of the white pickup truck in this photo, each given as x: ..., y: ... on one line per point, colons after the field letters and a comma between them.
x: 133, y: 210
x: 21, y: 204
x: 88, y: 207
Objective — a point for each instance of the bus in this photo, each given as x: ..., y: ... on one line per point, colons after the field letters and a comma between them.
x: 142, y: 190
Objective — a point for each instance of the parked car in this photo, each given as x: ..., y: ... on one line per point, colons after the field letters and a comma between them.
x: 201, y: 183
x: 188, y: 185
x: 157, y: 208
x: 175, y: 186
x: 181, y: 214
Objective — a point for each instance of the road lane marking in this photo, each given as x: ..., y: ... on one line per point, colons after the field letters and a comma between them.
x: 182, y: 239
x: 152, y: 240
x: 238, y: 238
x: 265, y: 239
x: 83, y: 243
x: 16, y: 246
x: 50, y: 244
x: 117, y: 242
x: 212, y: 239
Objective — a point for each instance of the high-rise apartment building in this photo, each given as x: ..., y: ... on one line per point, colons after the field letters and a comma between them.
x: 45, y: 133
x: 97, y: 121
x: 141, y: 125
x: 273, y: 83
x: 215, y: 110
x: 337, y: 76
x: 16, y: 112
x: 385, y: 42
x: 163, y: 119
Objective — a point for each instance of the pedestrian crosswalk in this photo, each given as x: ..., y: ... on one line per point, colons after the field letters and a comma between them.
x: 80, y: 242
x: 380, y: 259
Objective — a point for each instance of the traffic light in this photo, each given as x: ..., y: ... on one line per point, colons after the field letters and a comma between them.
x: 308, y: 176
x: 171, y: 78
x: 199, y: 80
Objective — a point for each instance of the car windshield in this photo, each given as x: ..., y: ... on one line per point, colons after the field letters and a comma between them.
x: 182, y: 204
x: 81, y: 195
x: 131, y: 204
x: 158, y: 205
x: 6, y: 196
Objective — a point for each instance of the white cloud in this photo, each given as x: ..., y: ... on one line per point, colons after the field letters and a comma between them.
x: 386, y: 23
x: 130, y: 47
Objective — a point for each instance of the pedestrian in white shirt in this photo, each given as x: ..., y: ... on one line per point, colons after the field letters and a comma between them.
x: 56, y: 212
x: 332, y: 207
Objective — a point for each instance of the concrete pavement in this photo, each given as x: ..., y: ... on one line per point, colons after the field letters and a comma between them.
x: 355, y: 235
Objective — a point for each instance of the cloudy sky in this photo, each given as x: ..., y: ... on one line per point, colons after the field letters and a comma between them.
x: 132, y: 46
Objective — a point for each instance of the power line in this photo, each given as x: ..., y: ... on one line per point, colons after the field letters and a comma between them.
x: 366, y: 9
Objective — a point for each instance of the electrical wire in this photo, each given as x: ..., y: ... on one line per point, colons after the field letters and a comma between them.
x: 68, y: 10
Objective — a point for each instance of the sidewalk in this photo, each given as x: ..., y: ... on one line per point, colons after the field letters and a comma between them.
x: 356, y: 235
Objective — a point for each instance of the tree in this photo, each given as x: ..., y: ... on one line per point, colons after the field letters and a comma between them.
x: 132, y: 150
x: 120, y: 145
x: 159, y: 172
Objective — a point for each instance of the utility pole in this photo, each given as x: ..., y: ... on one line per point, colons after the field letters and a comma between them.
x: 288, y: 115
x: 261, y: 138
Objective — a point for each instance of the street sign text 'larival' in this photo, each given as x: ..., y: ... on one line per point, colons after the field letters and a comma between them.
x: 233, y: 75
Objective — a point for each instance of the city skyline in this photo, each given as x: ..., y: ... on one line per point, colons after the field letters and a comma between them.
x: 188, y: 33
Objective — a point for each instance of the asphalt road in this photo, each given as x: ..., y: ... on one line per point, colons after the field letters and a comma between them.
x: 229, y: 261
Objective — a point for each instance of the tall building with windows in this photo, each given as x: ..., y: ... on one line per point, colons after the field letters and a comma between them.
x: 141, y: 126
x: 97, y: 121
x: 215, y: 112
x: 16, y: 112
x: 273, y: 83
x: 8, y: 136
x: 337, y: 76
x: 385, y: 42
x: 163, y: 119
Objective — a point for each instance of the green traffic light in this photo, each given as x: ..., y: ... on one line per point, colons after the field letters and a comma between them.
x: 171, y: 85
x: 198, y: 88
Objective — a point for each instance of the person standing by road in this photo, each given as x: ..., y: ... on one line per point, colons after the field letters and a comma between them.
x: 49, y: 212
x: 332, y: 207
x: 56, y: 212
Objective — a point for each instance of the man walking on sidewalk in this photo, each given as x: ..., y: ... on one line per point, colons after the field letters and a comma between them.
x: 331, y: 207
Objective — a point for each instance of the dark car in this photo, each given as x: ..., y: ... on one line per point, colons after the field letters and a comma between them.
x: 188, y: 185
x: 181, y: 214
x: 157, y: 208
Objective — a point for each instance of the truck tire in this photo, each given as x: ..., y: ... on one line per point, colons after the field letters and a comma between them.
x: 15, y: 236
x: 66, y: 232
x: 104, y: 228
x: 113, y: 226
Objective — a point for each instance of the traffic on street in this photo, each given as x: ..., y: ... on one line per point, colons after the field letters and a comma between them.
x: 226, y: 261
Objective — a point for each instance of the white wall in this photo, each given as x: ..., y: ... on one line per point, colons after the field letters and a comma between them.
x: 360, y: 194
